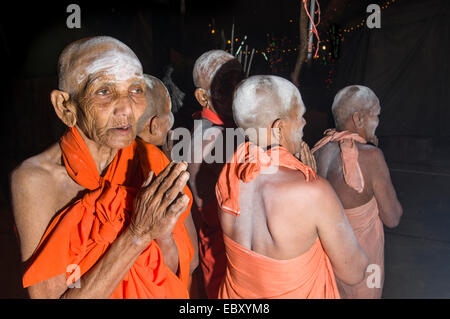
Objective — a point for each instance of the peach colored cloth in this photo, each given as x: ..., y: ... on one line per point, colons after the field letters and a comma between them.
x: 365, y: 219
x: 251, y: 275
x: 82, y: 232
x: 368, y: 229
x: 254, y: 276
x: 246, y: 164
x: 349, y: 154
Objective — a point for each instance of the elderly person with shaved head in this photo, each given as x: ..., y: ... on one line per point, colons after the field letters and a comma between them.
x: 348, y: 157
x: 100, y: 214
x: 215, y: 75
x: 285, y: 231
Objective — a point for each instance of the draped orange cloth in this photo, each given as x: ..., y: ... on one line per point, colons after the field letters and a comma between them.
x: 368, y: 229
x: 349, y: 155
x: 365, y: 219
x: 211, y: 251
x: 81, y: 233
x: 251, y: 275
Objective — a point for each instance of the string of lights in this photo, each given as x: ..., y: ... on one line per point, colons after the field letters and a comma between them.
x: 324, y: 45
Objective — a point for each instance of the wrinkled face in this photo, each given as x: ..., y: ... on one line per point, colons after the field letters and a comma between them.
x: 292, y: 130
x: 371, y: 120
x: 109, y: 109
x: 110, y: 94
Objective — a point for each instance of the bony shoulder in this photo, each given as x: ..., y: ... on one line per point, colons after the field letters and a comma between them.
x: 35, y: 174
x: 370, y: 152
x: 288, y: 182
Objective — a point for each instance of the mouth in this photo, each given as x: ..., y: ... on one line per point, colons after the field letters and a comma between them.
x: 123, y: 130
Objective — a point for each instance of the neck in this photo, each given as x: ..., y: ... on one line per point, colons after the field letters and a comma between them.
x: 351, y: 129
x: 102, y: 155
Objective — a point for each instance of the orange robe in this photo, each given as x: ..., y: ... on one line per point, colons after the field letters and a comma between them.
x: 211, y: 250
x: 365, y: 219
x: 253, y: 276
x: 80, y: 234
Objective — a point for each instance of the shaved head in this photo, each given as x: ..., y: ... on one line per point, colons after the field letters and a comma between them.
x: 81, y: 60
x: 101, y: 90
x: 207, y: 65
x: 157, y: 119
x: 351, y: 99
x: 158, y: 99
x: 262, y: 99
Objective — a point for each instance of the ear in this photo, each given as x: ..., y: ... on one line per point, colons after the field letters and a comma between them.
x: 358, y: 120
x: 277, y: 127
x: 201, y: 96
x: 153, y: 126
x: 64, y: 108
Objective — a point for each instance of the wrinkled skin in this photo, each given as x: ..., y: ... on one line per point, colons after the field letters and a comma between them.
x: 282, y: 214
x: 106, y: 110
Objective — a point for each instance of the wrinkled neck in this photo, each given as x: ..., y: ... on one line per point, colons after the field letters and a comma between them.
x: 102, y: 155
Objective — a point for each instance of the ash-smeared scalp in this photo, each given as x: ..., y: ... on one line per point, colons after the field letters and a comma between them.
x: 207, y: 65
x: 89, y: 56
x: 351, y: 99
x: 262, y: 99
x: 157, y: 99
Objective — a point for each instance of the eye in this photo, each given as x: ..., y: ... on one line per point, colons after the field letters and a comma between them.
x: 137, y: 90
x: 103, y: 91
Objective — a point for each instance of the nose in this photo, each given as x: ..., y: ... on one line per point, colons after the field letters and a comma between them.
x: 123, y: 107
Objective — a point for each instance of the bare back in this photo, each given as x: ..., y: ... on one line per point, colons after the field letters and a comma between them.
x: 266, y: 224
x: 329, y: 166
x: 377, y: 180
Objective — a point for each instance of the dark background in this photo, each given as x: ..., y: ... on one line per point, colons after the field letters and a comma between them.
x: 405, y: 62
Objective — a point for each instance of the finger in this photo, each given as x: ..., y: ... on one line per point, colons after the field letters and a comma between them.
x: 170, y: 179
x: 178, y: 207
x: 149, y: 179
x: 158, y: 180
x: 174, y: 191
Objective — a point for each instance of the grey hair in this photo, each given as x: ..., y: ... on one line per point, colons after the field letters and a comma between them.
x: 261, y: 99
x: 351, y: 99
x: 207, y: 65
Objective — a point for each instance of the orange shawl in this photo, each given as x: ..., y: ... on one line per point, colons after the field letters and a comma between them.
x: 251, y: 275
x: 82, y: 232
x: 246, y: 165
x: 349, y: 153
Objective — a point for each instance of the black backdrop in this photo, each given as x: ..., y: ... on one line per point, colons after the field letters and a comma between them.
x: 406, y: 63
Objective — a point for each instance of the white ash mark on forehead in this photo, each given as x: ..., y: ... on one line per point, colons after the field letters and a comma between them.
x: 121, y: 65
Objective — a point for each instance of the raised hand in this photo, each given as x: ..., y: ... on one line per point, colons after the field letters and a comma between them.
x: 159, y: 203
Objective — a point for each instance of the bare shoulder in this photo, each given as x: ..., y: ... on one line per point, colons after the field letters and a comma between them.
x: 37, y: 189
x: 369, y: 150
x: 37, y: 176
x: 371, y: 157
x: 289, y: 188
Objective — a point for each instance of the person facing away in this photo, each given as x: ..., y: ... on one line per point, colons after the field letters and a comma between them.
x: 215, y: 75
x: 285, y: 231
x: 348, y: 157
